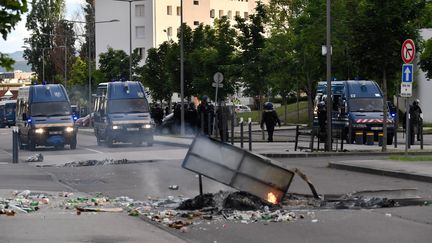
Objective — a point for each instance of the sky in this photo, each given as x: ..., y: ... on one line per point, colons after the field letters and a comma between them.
x: 15, y: 39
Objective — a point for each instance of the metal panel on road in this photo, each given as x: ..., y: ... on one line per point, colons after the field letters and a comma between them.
x: 238, y: 168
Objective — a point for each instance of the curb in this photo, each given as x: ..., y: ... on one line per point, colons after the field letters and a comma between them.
x: 382, y: 172
x: 337, y: 154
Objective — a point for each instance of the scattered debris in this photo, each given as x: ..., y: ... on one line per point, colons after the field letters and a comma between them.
x: 173, y: 187
x: 35, y: 158
x: 92, y: 209
x: 104, y: 162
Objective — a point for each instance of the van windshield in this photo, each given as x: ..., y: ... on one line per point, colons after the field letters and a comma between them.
x: 128, y: 106
x: 366, y: 104
x: 61, y: 108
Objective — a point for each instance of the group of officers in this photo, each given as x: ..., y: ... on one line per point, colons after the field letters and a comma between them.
x: 415, y: 120
x: 201, y: 118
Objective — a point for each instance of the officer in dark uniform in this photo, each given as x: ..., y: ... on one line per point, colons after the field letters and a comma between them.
x: 270, y: 118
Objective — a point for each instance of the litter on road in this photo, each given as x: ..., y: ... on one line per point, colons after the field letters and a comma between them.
x: 35, y: 158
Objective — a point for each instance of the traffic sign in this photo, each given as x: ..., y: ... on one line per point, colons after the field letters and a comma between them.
x: 406, y: 89
x: 220, y: 85
x: 407, y: 73
x: 408, y: 51
x: 218, y: 77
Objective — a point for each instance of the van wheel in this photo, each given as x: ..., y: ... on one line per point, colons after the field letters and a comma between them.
x: 109, y: 142
x: 136, y: 142
x: 150, y: 141
x: 73, y: 144
x: 31, y: 145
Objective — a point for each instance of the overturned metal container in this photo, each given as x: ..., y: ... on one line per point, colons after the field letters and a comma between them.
x: 238, y: 168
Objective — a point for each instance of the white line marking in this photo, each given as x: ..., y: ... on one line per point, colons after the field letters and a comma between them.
x: 93, y: 150
x: 6, y: 152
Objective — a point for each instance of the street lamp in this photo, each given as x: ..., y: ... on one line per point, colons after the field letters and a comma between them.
x: 182, y: 111
x: 89, y: 35
x: 329, y: 93
x: 130, y: 33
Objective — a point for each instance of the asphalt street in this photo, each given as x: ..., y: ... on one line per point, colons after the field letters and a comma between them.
x: 152, y: 178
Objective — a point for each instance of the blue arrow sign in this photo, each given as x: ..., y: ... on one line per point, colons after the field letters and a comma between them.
x: 407, y: 73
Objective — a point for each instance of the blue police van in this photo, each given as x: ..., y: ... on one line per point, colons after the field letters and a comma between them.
x: 357, y: 107
x: 7, y: 113
x: 44, y: 117
x: 122, y: 114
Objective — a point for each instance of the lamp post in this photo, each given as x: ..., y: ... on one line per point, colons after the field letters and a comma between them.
x: 182, y: 111
x: 89, y: 35
x: 130, y: 33
x: 329, y: 93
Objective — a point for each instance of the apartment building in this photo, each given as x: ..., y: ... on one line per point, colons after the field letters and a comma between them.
x: 156, y: 21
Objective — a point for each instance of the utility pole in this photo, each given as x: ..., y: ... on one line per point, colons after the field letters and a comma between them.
x: 329, y: 101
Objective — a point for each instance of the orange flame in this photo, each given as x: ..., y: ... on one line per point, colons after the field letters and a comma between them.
x: 271, y: 198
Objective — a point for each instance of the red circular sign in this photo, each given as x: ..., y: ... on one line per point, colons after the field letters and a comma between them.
x: 408, y: 51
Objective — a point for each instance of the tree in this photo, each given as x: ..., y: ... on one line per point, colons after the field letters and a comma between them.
x: 10, y: 15
x: 48, y: 31
x: 114, y: 65
x: 426, y: 59
x: 381, y: 27
x: 155, y: 73
x: 89, y: 10
x: 251, y: 41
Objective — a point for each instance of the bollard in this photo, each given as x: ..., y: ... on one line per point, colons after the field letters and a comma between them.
x: 421, y: 136
x: 296, y: 138
x: 369, y: 138
x: 200, y: 184
x: 342, y: 139
x: 232, y: 129
x: 209, y: 127
x: 350, y: 140
x: 15, y: 145
x: 241, y: 132
x: 359, y: 137
x: 380, y: 139
x: 250, y: 133
x: 395, y: 136
x: 202, y: 123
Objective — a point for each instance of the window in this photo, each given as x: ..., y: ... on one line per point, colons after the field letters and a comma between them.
x: 229, y: 14
x: 238, y: 13
x: 140, y: 32
x: 139, y: 10
x: 196, y: 23
x: 169, y: 10
x: 196, y: 2
x: 221, y: 13
x: 245, y: 15
x: 141, y: 52
x: 178, y: 11
x: 212, y: 13
x: 169, y: 31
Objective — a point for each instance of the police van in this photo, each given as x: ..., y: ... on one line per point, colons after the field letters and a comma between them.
x: 122, y: 114
x: 7, y: 113
x: 357, y: 107
x: 44, y: 117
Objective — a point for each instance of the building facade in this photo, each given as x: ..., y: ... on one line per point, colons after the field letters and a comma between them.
x: 156, y: 21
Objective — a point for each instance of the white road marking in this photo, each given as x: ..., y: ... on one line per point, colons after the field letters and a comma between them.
x: 6, y: 152
x: 93, y: 150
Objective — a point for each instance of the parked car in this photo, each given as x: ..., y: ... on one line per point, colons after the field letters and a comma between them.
x: 242, y: 108
x: 83, y: 121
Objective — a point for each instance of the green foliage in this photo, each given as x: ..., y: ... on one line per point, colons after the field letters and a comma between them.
x: 10, y: 15
x: 156, y: 75
x: 49, y: 34
x: 79, y: 73
x: 114, y: 65
x: 251, y: 41
x: 426, y: 59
